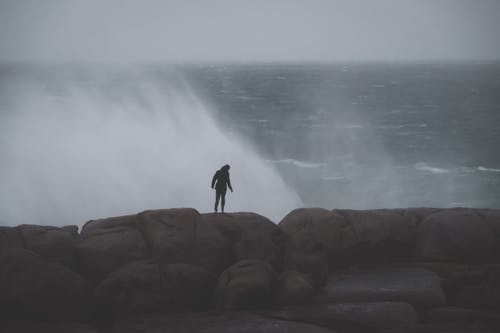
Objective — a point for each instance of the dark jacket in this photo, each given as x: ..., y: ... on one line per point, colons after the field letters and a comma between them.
x: 221, y: 179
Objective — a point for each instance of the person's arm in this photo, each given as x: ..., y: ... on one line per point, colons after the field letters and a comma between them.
x: 229, y: 183
x: 214, y: 179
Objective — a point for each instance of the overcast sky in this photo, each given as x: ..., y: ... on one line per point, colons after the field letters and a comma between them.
x: 252, y: 30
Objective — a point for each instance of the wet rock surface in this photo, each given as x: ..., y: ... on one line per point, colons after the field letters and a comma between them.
x: 248, y: 284
x: 108, y: 244
x: 415, y: 286
x: 213, y: 323
x: 357, y: 316
x: 318, y: 270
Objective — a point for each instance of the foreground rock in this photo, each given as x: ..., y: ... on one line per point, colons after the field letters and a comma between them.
x: 464, y: 316
x: 346, y: 270
x: 415, y: 286
x: 482, y: 291
x: 378, y: 234
x: 459, y: 320
x: 251, y: 236
x: 52, y: 243
x: 371, y: 316
x: 461, y: 235
x: 108, y: 244
x: 32, y: 288
x: 205, y: 323
x: 181, y: 236
x: 353, y: 236
x: 145, y: 286
x: 48, y: 328
x: 10, y: 237
x: 247, y: 284
x: 294, y: 288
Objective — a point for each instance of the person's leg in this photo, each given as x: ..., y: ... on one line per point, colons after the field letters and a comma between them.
x: 217, y: 196
x: 223, y: 200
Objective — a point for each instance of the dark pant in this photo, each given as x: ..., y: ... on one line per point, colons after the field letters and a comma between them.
x: 220, y: 194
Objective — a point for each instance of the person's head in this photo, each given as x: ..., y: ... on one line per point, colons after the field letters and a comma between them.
x: 226, y: 167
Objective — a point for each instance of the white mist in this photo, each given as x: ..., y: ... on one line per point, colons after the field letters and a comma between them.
x: 79, y: 144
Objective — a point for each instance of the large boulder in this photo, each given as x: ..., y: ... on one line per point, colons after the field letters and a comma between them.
x: 459, y: 315
x: 10, y: 237
x: 52, y: 243
x: 191, y: 287
x: 379, y: 234
x: 134, y: 287
x: 358, y: 317
x: 107, y: 244
x: 145, y: 286
x: 418, y: 213
x: 306, y: 255
x: 182, y: 236
x: 294, y: 288
x: 353, y: 236
x: 211, y: 323
x: 42, y: 327
x: 247, y: 284
x: 31, y: 288
x: 324, y: 226
x: 251, y: 236
x: 481, y: 293
x: 492, y: 219
x: 415, y: 286
x: 460, y: 235
x: 311, y: 235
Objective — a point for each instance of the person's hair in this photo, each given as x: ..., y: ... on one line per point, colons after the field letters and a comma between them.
x: 226, y: 167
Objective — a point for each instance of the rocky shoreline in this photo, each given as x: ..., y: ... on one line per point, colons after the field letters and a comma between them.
x: 318, y: 270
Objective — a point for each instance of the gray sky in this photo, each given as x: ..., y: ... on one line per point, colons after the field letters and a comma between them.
x: 252, y: 30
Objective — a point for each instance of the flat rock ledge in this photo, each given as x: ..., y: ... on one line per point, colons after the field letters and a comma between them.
x: 317, y: 270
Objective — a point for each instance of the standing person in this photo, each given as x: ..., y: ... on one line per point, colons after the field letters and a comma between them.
x: 222, y: 182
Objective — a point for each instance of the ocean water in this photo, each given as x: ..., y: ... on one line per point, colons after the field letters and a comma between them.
x: 369, y: 135
x: 87, y: 141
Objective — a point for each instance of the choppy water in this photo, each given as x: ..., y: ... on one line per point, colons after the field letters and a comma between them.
x: 364, y: 136
x: 79, y: 142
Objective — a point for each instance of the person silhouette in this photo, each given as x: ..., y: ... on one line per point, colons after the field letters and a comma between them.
x: 222, y: 182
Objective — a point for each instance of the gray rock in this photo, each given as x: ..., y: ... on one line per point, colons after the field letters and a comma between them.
x: 378, y: 234
x: 107, y: 244
x: 145, y: 286
x: 321, y: 225
x: 372, y: 316
x: 460, y: 315
x: 460, y: 235
x: 415, y: 286
x: 181, y: 235
x: 31, y: 287
x: 294, y: 288
x: 484, y: 293
x: 191, y: 287
x: 419, y: 213
x: 48, y: 328
x: 251, y: 236
x: 247, y: 284
x: 135, y: 287
x: 206, y: 323
x: 10, y: 237
x: 351, y: 236
x: 305, y: 254
x: 52, y: 243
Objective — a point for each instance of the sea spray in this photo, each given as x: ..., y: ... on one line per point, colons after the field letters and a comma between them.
x: 78, y: 144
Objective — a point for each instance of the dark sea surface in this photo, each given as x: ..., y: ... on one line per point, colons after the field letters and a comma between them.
x: 87, y: 141
x: 368, y: 135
